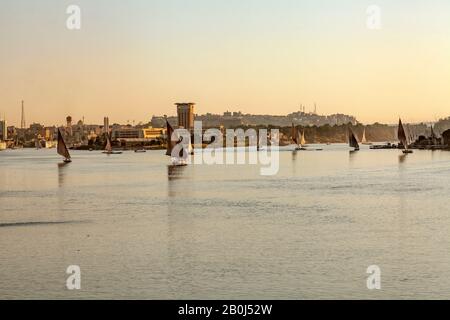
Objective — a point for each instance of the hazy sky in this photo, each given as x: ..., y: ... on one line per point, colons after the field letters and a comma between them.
x: 132, y: 59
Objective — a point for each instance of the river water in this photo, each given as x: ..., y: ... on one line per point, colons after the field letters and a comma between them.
x: 141, y: 230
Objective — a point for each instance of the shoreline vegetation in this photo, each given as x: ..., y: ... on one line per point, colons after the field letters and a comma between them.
x: 325, y: 134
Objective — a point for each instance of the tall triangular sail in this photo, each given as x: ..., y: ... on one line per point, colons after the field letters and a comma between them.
x: 433, y: 136
x: 294, y: 134
x: 402, y: 134
x: 364, y: 140
x: 169, y: 139
x: 352, y: 139
x: 62, y: 148
x: 108, y: 147
x: 302, y: 139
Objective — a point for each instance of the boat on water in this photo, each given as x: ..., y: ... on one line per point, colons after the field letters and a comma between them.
x: 297, y: 138
x: 353, y: 142
x: 364, y: 139
x: 403, y: 137
x: 108, y: 148
x: 302, y: 140
x: 62, y: 148
x: 383, y: 146
x: 140, y: 150
x: 179, y: 160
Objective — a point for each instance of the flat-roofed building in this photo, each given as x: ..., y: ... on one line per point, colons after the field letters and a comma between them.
x: 127, y: 133
x: 138, y: 133
x: 185, y: 113
x: 153, y: 133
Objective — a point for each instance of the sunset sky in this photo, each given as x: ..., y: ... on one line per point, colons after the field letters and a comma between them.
x: 134, y: 59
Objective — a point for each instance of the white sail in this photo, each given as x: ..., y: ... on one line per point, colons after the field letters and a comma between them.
x: 108, y: 147
x: 302, y: 139
x: 364, y: 140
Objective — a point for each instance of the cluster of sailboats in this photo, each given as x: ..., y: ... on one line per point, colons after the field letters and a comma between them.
x: 181, y: 159
x: 402, y: 136
x: 63, y: 151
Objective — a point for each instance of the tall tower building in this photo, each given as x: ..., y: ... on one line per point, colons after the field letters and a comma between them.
x: 105, y: 125
x: 69, y: 126
x: 185, y: 115
x: 22, y: 121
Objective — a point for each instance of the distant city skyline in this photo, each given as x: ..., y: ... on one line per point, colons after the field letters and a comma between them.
x: 135, y: 59
x: 228, y: 112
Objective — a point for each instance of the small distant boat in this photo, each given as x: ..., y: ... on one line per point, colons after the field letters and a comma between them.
x: 383, y: 146
x: 62, y: 148
x: 140, y: 150
x: 108, y: 148
x: 353, y: 142
x: 403, y: 137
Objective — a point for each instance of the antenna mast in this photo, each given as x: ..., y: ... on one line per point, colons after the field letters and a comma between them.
x: 22, y: 122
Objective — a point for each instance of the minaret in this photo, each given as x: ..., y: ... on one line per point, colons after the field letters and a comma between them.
x: 22, y: 121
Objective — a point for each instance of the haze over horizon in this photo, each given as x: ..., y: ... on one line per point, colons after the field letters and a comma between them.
x: 134, y: 59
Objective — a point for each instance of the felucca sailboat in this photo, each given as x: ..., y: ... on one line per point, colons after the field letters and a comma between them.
x: 403, y: 137
x: 364, y: 139
x: 298, y: 139
x: 108, y: 148
x: 179, y: 159
x: 353, y: 142
x: 62, y: 148
x: 302, y: 139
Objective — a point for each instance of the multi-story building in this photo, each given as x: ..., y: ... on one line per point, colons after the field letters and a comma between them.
x: 3, y: 130
x: 185, y: 113
x: 69, y: 131
x: 105, y: 125
x: 138, y: 133
x: 127, y: 133
x: 153, y: 133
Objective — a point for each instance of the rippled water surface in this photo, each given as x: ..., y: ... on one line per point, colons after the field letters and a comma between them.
x: 139, y: 229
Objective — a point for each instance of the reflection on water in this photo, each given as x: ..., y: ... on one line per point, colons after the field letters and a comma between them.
x: 61, y: 173
x: 155, y: 231
x: 352, y: 155
x: 402, y: 158
x: 175, y: 172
